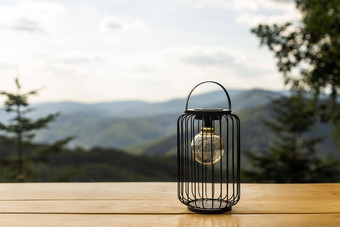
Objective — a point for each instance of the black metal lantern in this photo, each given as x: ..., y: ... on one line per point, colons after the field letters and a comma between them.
x: 208, y: 158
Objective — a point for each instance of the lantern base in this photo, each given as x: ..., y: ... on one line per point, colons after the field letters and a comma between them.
x: 209, y: 206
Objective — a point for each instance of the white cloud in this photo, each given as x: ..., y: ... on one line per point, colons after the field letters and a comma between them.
x: 260, y: 5
x: 217, y: 56
x: 254, y: 12
x: 181, y: 67
x: 90, y: 77
x: 113, y: 24
x: 253, y: 19
x: 30, y: 16
x: 242, y: 5
x: 76, y: 58
x: 26, y: 26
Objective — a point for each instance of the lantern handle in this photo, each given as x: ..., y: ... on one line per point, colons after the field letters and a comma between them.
x: 208, y: 81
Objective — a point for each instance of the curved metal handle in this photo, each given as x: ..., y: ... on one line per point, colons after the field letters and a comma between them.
x: 209, y: 81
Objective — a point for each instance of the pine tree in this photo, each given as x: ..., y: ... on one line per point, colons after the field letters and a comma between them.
x: 20, y: 130
x: 292, y: 158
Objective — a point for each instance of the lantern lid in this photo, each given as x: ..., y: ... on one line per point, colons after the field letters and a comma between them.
x: 208, y: 111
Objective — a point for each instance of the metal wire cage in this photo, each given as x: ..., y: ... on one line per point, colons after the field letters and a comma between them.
x: 208, y: 157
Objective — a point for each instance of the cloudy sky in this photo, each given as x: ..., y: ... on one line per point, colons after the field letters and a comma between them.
x: 152, y: 50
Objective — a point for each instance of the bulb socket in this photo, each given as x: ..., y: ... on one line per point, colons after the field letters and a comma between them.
x: 207, y: 122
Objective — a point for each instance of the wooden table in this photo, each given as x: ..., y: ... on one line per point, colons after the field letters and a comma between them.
x: 156, y: 204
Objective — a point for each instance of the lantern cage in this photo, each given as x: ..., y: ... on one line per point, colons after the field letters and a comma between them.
x: 208, y: 158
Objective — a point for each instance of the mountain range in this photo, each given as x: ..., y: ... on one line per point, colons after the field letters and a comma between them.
x: 125, y: 124
x: 140, y: 127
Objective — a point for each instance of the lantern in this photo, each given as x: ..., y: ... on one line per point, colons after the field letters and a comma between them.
x: 208, y: 157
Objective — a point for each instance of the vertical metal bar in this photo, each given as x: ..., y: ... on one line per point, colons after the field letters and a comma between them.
x: 221, y: 161
x: 202, y: 165
x: 198, y: 166
x: 212, y: 137
x: 181, y: 150
x: 192, y: 160
x: 187, y: 158
x: 178, y: 157
x: 182, y: 156
x: 233, y: 158
x: 227, y: 153
x: 238, y: 128
x: 206, y: 170
x: 238, y: 158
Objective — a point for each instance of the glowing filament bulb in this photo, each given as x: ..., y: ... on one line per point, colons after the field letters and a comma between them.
x: 207, y: 147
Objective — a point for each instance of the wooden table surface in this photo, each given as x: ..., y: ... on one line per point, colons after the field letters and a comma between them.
x: 156, y: 204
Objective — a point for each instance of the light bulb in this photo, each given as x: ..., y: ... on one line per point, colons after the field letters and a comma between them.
x: 207, y: 147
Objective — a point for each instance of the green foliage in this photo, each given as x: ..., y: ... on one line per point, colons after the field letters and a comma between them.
x: 308, y: 56
x: 292, y: 157
x: 100, y: 164
x: 21, y: 130
x: 94, y: 165
x: 312, y: 48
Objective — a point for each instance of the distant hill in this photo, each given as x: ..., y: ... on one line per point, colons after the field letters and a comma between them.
x: 136, y: 109
x: 253, y: 98
x: 124, y: 124
x: 254, y: 136
x: 103, y: 132
x: 165, y: 146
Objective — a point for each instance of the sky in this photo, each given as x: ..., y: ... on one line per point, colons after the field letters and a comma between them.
x: 152, y: 50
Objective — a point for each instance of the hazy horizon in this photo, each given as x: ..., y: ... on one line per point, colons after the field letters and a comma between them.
x: 153, y: 102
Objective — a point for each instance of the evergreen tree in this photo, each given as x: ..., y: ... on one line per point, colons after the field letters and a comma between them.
x: 308, y: 54
x: 292, y: 158
x: 20, y: 130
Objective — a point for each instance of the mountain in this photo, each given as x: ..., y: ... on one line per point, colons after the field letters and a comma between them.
x: 125, y: 124
x: 254, y: 98
x: 255, y: 136
x: 166, y: 146
x: 137, y: 109
x: 119, y: 133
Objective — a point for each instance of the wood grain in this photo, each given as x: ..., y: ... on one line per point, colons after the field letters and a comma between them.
x: 156, y: 204
x: 161, y: 198
x: 74, y: 220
